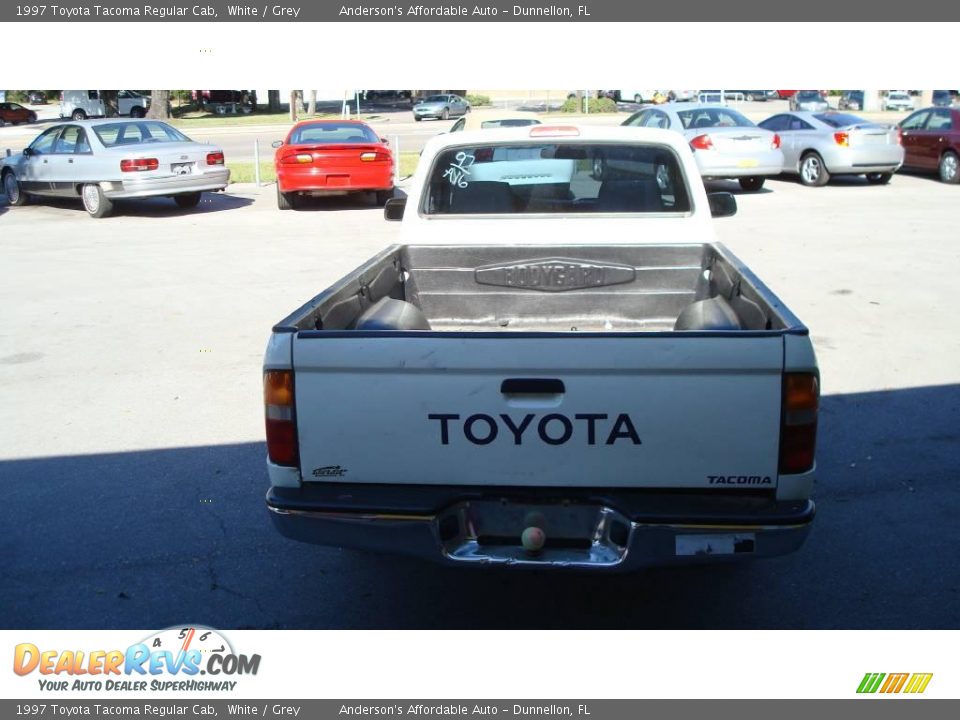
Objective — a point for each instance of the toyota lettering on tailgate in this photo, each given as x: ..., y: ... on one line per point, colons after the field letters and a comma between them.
x: 552, y: 429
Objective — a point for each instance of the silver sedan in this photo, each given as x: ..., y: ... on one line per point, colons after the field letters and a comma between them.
x: 818, y: 145
x: 105, y: 160
x: 725, y: 143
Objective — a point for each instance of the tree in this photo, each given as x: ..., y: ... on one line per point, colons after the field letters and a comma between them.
x: 159, y: 104
x: 293, y: 106
x: 273, y: 101
x: 312, y: 103
x: 111, y: 103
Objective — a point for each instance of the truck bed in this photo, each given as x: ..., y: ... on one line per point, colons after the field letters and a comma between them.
x: 536, y: 288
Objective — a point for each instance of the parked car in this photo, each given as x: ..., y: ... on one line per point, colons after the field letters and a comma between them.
x: 898, y: 100
x: 818, y: 145
x: 440, y: 107
x: 36, y: 98
x: 15, y: 113
x: 101, y: 161
x: 489, y: 119
x: 809, y: 100
x: 785, y: 94
x: 753, y: 95
x: 682, y: 95
x: 725, y: 143
x: 931, y: 142
x: 332, y: 157
x: 635, y: 96
x: 851, y: 100
x: 83, y: 104
x: 944, y: 98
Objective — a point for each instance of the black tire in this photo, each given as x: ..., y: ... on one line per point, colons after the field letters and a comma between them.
x: 879, y: 178
x: 750, y: 97
x: 187, y: 200
x: 383, y: 196
x: 78, y: 114
x: 445, y: 115
x: 417, y: 118
x: 949, y: 168
x: 32, y: 117
x: 11, y: 187
x: 285, y: 201
x: 638, y: 98
x: 813, y: 173
x: 95, y: 202
x: 137, y: 112
x: 752, y: 183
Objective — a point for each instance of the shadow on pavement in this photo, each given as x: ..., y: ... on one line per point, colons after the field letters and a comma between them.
x: 153, y: 538
x: 155, y: 207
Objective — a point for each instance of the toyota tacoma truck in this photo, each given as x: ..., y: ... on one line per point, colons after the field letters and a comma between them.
x: 547, y: 370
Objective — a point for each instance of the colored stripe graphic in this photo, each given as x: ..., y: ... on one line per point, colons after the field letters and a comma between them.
x: 894, y: 683
x: 870, y: 682
x: 918, y: 683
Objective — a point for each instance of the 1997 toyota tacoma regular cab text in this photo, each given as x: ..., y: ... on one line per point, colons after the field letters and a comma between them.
x: 548, y: 370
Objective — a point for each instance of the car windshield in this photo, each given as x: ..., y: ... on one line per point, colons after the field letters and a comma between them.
x: 553, y: 178
x: 137, y: 133
x: 435, y: 98
x: 838, y: 120
x: 713, y: 117
x: 898, y: 96
x: 332, y: 134
x: 808, y: 95
x: 508, y: 122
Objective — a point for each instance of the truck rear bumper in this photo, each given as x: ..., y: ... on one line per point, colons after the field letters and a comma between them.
x: 615, y: 531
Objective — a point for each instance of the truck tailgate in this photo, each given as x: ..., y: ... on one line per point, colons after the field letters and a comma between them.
x: 657, y: 411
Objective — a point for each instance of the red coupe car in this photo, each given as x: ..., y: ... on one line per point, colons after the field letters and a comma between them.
x: 931, y: 142
x: 14, y: 113
x: 332, y: 157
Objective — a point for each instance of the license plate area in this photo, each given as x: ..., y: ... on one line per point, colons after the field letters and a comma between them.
x: 181, y: 168
x: 575, y: 535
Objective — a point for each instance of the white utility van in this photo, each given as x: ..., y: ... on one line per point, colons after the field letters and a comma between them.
x: 81, y: 104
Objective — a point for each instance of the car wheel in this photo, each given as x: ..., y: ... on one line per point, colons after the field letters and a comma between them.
x: 13, y: 191
x: 879, y: 178
x: 750, y: 97
x: 95, y: 202
x: 752, y: 183
x: 285, y: 201
x: 950, y: 168
x: 383, y: 196
x: 32, y: 117
x: 638, y: 98
x: 137, y: 112
x: 417, y: 118
x: 813, y: 173
x: 78, y: 115
x: 599, y: 169
x: 445, y: 115
x: 187, y: 200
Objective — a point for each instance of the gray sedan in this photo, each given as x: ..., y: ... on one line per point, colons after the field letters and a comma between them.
x: 818, y: 145
x: 440, y: 107
x: 725, y: 143
x: 105, y: 160
x: 809, y: 101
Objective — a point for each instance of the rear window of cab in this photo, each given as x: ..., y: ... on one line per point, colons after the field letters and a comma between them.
x: 332, y: 133
x: 138, y: 133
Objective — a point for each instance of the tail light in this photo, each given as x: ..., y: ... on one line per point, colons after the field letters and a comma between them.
x: 374, y: 157
x: 899, y: 135
x: 280, y: 418
x: 842, y: 139
x: 798, y: 424
x: 296, y: 159
x: 775, y: 144
x: 215, y: 158
x: 554, y: 131
x: 139, y: 164
x: 702, y: 142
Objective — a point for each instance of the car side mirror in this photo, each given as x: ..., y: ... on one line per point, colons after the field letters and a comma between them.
x: 28, y: 152
x: 276, y: 143
x: 384, y: 141
x: 393, y: 210
x: 722, y: 204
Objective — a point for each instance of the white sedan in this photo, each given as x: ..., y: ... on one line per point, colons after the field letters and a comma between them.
x: 725, y: 143
x: 101, y: 161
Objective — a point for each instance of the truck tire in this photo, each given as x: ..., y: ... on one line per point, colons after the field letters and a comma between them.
x: 137, y: 111
x: 187, y: 200
x: 11, y: 187
x: 813, y: 173
x: 285, y: 201
x: 752, y: 183
x: 949, y: 168
x: 78, y: 114
x: 95, y: 202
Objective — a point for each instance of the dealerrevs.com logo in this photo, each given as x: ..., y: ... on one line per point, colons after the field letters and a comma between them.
x: 172, y: 659
x: 890, y: 683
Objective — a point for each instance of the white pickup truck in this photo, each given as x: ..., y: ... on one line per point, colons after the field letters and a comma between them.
x: 548, y: 370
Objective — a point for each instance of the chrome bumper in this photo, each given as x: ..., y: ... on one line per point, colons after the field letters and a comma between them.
x: 169, y: 185
x: 487, y: 532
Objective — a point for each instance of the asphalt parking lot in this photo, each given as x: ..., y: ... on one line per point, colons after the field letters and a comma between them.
x: 132, y: 455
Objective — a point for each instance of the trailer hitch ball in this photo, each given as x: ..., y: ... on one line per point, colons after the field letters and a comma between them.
x: 533, y: 539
